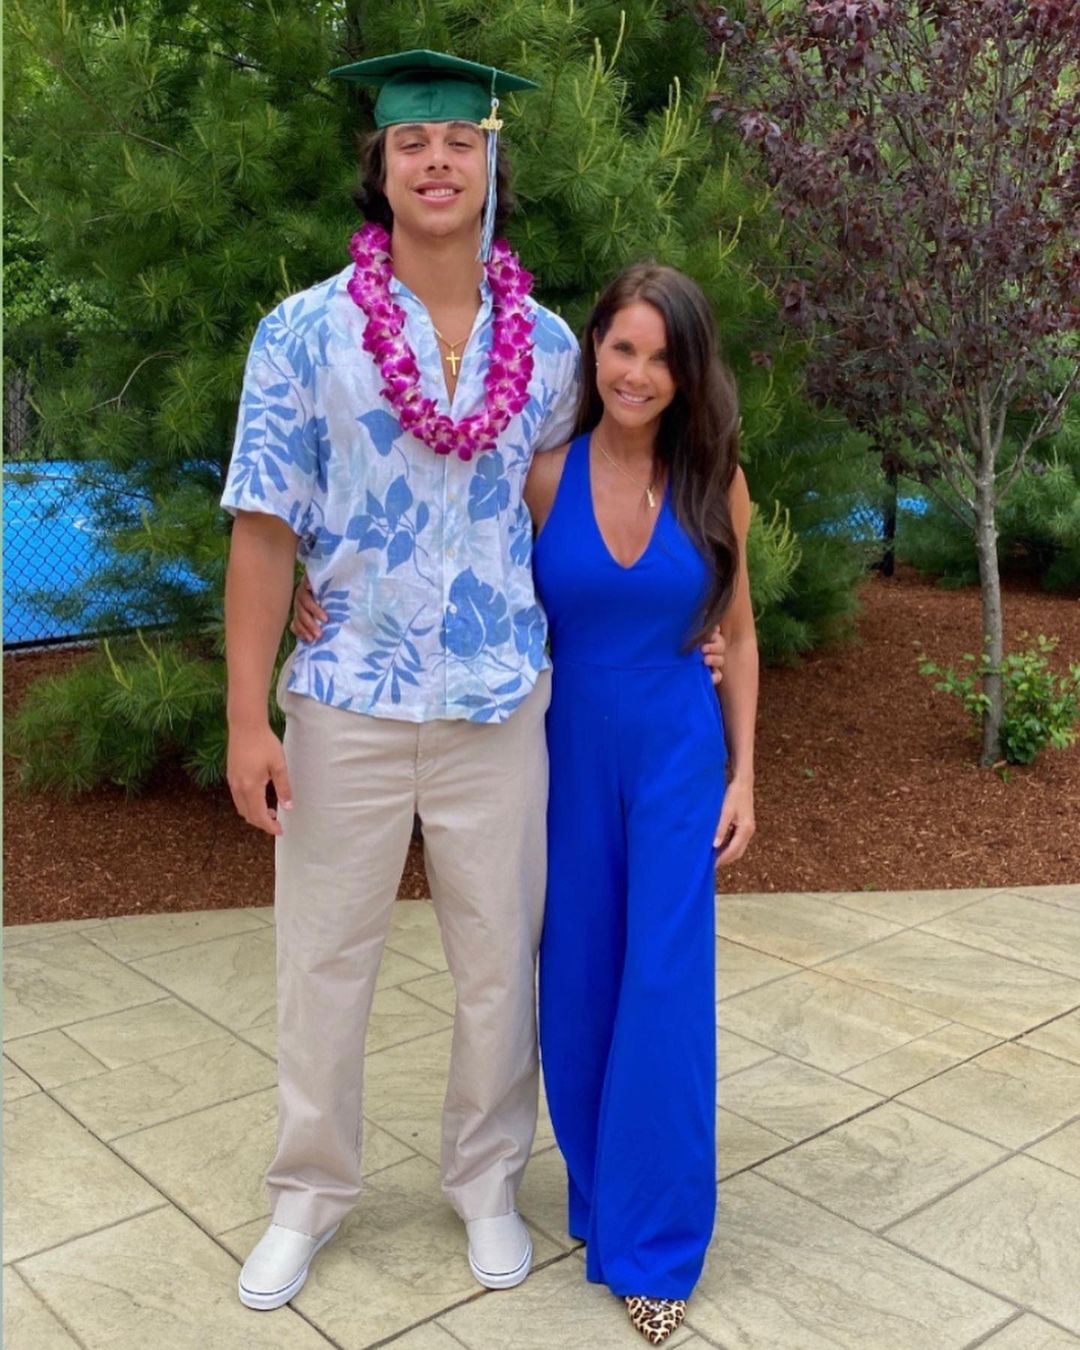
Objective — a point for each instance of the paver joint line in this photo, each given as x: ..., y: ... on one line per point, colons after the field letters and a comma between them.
x: 956, y: 1275
x: 1068, y: 1012
x: 974, y: 1345
x: 881, y: 1230
x: 473, y: 1297
x: 53, y: 1312
x: 166, y: 994
x: 985, y: 951
x: 166, y: 1203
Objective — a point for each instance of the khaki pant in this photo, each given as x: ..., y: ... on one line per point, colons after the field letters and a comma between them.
x: 481, y: 792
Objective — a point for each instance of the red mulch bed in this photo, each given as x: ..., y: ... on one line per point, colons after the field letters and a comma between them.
x: 867, y: 779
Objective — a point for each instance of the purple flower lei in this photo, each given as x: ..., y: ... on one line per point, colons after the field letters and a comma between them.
x: 510, y: 364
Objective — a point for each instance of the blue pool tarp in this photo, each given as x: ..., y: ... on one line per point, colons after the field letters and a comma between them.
x: 51, y: 544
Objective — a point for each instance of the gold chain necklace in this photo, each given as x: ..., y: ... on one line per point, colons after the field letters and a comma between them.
x: 453, y: 360
x: 648, y: 491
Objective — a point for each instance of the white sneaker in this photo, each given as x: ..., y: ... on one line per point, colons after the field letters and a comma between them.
x: 278, y: 1266
x: 500, y: 1250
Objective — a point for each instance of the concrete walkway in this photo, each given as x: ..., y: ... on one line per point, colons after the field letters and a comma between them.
x: 899, y: 1139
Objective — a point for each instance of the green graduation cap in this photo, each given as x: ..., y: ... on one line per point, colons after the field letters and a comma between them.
x: 424, y: 86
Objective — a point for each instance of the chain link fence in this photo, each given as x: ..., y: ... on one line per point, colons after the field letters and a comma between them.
x: 50, y: 546
x: 51, y: 543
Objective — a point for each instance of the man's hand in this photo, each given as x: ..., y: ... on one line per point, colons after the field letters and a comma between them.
x: 256, y: 757
x: 713, y: 651
x: 308, y: 616
x: 262, y: 558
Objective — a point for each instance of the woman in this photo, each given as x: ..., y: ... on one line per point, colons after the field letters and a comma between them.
x: 640, y: 551
x: 641, y: 541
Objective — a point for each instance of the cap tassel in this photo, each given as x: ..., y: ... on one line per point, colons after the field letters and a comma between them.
x: 492, y: 125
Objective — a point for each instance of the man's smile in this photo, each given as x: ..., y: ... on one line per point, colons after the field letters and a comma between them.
x: 437, y: 192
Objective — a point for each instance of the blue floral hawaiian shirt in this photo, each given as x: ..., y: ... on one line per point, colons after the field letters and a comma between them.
x: 422, y: 562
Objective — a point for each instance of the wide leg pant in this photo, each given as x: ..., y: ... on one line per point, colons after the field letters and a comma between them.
x: 627, y: 1011
x: 481, y: 792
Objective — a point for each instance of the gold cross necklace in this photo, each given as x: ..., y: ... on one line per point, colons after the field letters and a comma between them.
x: 649, y: 496
x: 452, y: 360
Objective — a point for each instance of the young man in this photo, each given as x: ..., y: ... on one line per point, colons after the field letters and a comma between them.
x: 427, y: 689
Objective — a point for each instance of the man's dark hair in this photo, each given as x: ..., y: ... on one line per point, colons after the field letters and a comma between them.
x: 371, y: 200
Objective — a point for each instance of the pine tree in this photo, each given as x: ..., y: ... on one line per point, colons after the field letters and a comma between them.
x: 1038, y: 523
x: 190, y: 164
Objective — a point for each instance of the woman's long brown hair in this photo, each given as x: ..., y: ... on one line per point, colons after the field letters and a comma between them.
x: 698, y: 436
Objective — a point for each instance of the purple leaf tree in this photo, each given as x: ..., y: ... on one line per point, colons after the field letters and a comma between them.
x: 926, y: 159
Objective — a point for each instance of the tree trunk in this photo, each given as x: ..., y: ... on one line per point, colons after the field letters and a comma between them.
x: 990, y: 591
x: 888, y: 557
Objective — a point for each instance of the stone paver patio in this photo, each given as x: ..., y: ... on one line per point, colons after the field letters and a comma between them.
x: 899, y: 1139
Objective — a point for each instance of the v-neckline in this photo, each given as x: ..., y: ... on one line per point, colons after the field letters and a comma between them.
x: 446, y: 398
x: 451, y: 394
x: 623, y: 567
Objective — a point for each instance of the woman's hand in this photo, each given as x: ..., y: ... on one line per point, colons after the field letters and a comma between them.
x: 308, y: 616
x: 713, y: 651
x: 736, y: 827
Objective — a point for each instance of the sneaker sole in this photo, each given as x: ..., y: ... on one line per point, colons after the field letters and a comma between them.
x: 277, y: 1298
x: 503, y: 1279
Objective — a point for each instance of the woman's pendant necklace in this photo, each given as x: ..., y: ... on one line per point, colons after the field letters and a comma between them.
x: 648, y: 490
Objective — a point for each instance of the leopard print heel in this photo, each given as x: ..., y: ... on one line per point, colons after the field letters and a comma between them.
x: 655, y: 1318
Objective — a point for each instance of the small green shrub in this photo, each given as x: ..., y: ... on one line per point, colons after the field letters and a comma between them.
x: 115, y: 718
x: 1039, y: 708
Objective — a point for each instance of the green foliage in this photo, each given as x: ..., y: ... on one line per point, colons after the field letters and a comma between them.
x: 1038, y: 521
x: 182, y: 165
x: 773, y: 554
x: 116, y: 717
x: 1040, y: 708
x: 42, y: 311
x: 821, y: 473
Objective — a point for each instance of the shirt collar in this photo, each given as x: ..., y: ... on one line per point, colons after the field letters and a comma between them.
x: 398, y: 288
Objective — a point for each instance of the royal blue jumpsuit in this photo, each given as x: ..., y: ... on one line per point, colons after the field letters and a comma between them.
x: 627, y: 959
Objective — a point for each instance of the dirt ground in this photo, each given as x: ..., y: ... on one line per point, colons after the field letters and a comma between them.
x: 866, y: 779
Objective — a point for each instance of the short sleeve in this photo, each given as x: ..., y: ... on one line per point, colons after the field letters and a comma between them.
x: 561, y: 419
x: 278, y: 464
